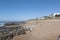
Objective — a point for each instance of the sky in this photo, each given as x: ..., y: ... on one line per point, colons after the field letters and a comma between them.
x: 18, y: 10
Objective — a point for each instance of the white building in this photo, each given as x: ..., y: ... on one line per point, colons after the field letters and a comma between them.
x: 42, y: 18
x: 54, y: 15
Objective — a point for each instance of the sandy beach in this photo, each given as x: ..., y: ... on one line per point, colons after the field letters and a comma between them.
x: 43, y: 30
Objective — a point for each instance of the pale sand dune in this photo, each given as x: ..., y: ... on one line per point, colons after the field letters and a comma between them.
x: 43, y: 30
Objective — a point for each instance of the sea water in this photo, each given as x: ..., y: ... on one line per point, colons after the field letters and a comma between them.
x: 2, y: 23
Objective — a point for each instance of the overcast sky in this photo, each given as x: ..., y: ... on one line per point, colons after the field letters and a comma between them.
x: 18, y: 10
